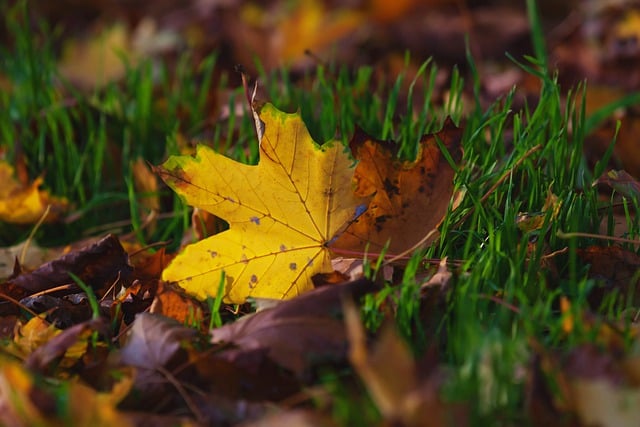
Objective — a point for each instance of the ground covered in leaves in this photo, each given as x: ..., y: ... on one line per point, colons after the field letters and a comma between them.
x: 416, y: 213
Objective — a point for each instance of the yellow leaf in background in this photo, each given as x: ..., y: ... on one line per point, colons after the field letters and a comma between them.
x: 281, y: 212
x: 310, y: 26
x: 25, y: 401
x: 26, y: 205
x: 98, y: 60
x: 88, y: 407
x: 16, y: 384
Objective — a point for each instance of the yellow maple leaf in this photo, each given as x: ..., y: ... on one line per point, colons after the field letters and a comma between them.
x: 281, y: 213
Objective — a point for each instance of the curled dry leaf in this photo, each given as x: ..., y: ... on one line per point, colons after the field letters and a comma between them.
x: 402, y: 393
x: 29, y: 255
x: 98, y: 265
x: 281, y: 213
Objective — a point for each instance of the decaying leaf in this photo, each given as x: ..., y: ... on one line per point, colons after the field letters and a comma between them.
x: 392, y: 377
x: 154, y: 342
x: 441, y: 278
x: 409, y: 198
x: 26, y: 400
x: 614, y: 269
x: 98, y: 265
x: 282, y: 213
x: 600, y: 391
x: 388, y: 371
x: 154, y: 347
x: 296, y: 332
x: 599, y: 402
x: 26, y: 204
x: 171, y: 301
x: 70, y: 343
x: 622, y: 182
x: 29, y: 255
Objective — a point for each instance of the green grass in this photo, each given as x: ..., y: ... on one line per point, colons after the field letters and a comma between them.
x: 86, y: 144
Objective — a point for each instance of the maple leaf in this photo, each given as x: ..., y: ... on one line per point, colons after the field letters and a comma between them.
x: 409, y: 199
x: 281, y: 213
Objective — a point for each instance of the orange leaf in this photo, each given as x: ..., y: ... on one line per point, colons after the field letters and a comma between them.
x: 409, y: 198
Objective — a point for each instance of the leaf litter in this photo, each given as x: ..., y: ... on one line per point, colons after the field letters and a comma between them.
x: 208, y: 374
x: 303, y: 196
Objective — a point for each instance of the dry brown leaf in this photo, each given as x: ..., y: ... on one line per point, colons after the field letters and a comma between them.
x: 98, y: 265
x: 171, y: 301
x: 409, y: 199
x: 299, y: 331
x: 388, y: 370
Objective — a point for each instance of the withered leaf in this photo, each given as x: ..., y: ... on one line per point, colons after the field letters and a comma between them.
x: 40, y: 359
x: 154, y: 342
x: 409, y: 198
x: 297, y: 332
x: 97, y: 265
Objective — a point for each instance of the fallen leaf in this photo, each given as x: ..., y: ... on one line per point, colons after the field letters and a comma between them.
x: 26, y: 204
x: 171, y: 301
x: 15, y: 386
x: 388, y: 371
x: 601, y: 403
x: 409, y: 198
x: 281, y: 36
x: 295, y: 417
x: 298, y: 331
x: 441, y: 278
x: 29, y: 255
x: 154, y: 342
x: 70, y: 343
x: 40, y: 342
x: 282, y: 213
x: 615, y: 270
x: 403, y: 394
x: 31, y: 335
x: 310, y: 26
x: 528, y: 222
x: 155, y: 346
x: 600, y: 392
x: 27, y: 400
x: 622, y: 182
x: 98, y: 265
